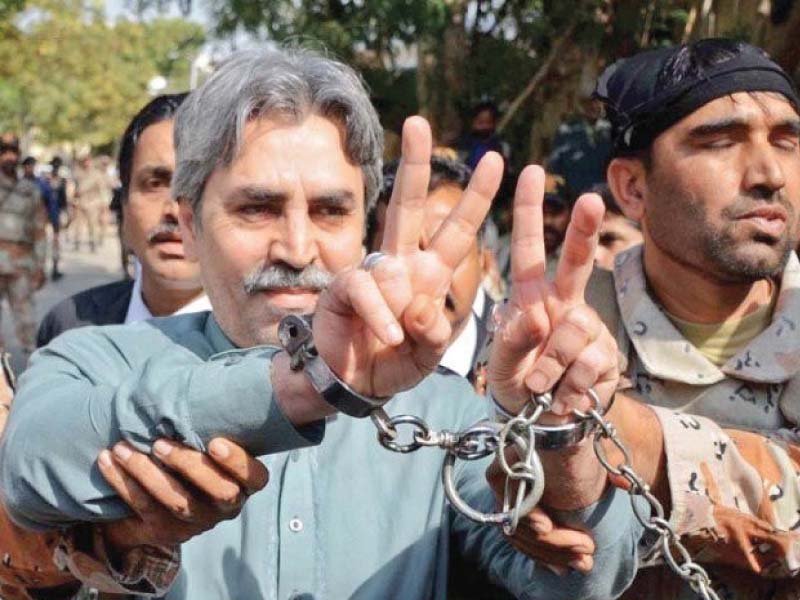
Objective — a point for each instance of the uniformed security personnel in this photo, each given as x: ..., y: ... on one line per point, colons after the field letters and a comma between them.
x: 22, y: 243
x: 92, y: 195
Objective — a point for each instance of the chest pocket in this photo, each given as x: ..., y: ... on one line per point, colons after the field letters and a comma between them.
x: 17, y: 216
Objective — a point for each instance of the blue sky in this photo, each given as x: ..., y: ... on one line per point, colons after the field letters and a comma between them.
x: 116, y: 8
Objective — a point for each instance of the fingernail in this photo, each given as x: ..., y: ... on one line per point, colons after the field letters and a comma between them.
x: 162, y: 448
x: 560, y: 571
x: 539, y: 527
x: 537, y: 382
x: 104, y: 458
x: 395, y: 334
x: 122, y: 452
x: 559, y: 407
x: 219, y: 449
x: 579, y: 564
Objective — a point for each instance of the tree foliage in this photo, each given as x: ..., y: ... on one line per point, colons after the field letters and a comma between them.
x: 538, y: 57
x: 68, y: 75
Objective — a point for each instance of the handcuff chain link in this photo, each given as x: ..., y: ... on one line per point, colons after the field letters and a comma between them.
x: 524, y: 482
x: 673, y: 551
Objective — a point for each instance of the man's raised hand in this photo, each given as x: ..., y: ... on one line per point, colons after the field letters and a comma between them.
x: 384, y: 329
x: 546, y: 334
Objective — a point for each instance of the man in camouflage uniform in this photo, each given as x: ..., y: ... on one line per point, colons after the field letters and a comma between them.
x: 705, y: 313
x: 22, y: 243
x: 92, y: 195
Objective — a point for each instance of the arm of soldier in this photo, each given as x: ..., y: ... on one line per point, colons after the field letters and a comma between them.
x: 29, y: 556
x: 80, y: 396
x: 139, y: 554
x: 732, y: 495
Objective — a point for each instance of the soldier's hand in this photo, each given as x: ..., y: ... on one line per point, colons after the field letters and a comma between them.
x: 182, y: 495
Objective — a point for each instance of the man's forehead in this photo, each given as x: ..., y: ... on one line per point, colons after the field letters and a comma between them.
x: 155, y: 144
x: 746, y: 107
x: 443, y: 199
x: 439, y: 204
x: 279, y: 151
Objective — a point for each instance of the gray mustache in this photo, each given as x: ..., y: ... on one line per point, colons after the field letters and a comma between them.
x: 167, y: 227
x: 276, y: 277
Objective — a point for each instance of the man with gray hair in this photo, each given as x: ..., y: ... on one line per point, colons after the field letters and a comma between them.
x: 278, y: 163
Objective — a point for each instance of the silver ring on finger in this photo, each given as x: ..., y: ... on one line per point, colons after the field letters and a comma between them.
x: 371, y: 260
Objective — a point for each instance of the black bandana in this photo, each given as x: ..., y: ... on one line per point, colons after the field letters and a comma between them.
x: 640, y: 109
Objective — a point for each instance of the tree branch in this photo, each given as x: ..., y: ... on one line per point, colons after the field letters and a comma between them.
x: 541, y: 73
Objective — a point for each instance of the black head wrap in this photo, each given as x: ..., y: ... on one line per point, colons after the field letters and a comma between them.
x: 642, y: 102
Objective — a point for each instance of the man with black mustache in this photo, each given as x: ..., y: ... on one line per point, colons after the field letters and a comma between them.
x: 166, y: 282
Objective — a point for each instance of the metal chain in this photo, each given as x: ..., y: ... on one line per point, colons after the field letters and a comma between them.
x: 672, y: 551
x: 490, y: 437
x: 478, y: 441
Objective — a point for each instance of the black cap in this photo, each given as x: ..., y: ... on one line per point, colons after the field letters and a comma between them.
x: 29, y: 160
x: 646, y: 94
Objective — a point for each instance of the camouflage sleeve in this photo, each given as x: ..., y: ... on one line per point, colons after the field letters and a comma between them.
x: 59, y: 563
x: 40, y: 236
x: 146, y: 570
x: 735, y: 494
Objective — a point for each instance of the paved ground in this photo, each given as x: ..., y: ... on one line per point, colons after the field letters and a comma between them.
x: 82, y: 270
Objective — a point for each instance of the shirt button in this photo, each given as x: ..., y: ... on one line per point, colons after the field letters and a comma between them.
x: 296, y: 525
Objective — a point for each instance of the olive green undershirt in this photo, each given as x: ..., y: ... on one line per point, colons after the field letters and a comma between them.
x: 719, y: 342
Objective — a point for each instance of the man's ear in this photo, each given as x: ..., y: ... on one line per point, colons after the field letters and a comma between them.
x: 626, y: 180
x: 188, y: 228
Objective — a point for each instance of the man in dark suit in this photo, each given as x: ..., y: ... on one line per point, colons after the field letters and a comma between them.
x: 166, y: 282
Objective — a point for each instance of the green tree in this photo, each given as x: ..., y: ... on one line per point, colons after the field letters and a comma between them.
x: 69, y: 75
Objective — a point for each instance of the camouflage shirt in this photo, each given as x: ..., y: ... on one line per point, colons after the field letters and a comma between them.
x: 92, y: 187
x: 735, y: 495
x: 23, y: 219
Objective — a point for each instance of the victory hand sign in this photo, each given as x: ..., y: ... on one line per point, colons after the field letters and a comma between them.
x: 381, y: 327
x: 546, y: 334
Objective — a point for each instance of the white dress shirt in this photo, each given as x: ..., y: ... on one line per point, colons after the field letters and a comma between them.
x: 138, y: 311
x: 458, y: 357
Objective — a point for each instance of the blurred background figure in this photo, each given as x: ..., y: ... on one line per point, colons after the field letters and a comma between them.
x: 50, y: 201
x: 618, y: 232
x: 482, y: 136
x: 92, y: 194
x: 107, y: 170
x: 558, y: 201
x: 581, y: 151
x: 57, y: 213
x: 22, y: 242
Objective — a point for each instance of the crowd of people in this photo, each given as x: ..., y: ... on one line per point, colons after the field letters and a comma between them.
x: 175, y: 435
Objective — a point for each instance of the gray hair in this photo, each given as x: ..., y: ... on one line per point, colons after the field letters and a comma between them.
x: 290, y: 82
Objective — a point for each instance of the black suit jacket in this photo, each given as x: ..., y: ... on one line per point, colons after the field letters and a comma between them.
x: 101, y: 305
